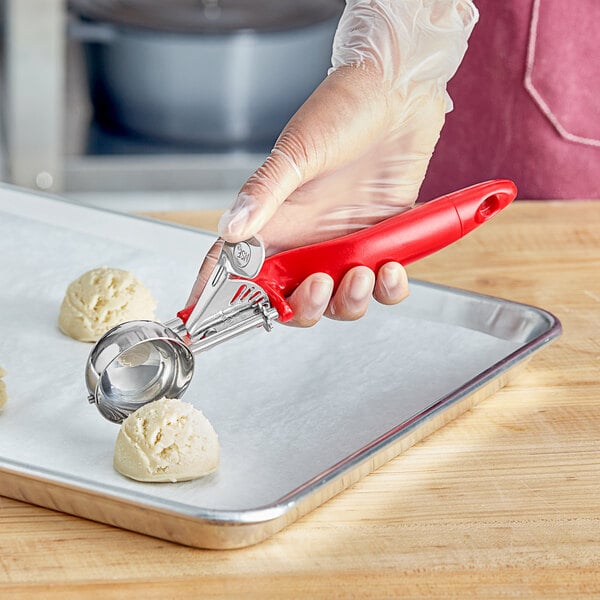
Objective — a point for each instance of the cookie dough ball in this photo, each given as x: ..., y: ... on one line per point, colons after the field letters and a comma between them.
x: 3, y: 396
x: 166, y: 440
x: 101, y: 299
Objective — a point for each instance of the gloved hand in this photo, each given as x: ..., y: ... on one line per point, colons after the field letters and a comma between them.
x: 356, y: 152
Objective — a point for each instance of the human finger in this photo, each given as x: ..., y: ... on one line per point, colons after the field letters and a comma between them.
x: 391, y: 285
x: 351, y: 299
x: 206, y: 268
x: 310, y: 299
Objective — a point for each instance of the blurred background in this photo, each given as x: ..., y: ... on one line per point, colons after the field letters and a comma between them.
x: 153, y: 104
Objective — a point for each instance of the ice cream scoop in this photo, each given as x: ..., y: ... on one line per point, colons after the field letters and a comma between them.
x: 140, y: 361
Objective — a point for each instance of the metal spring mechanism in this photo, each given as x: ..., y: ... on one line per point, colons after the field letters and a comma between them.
x: 228, y: 305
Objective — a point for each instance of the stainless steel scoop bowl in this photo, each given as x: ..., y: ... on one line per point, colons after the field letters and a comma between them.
x: 135, y: 363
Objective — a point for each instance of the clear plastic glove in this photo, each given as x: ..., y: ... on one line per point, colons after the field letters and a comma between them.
x: 357, y: 151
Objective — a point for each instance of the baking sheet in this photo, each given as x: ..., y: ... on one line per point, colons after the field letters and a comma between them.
x: 299, y: 412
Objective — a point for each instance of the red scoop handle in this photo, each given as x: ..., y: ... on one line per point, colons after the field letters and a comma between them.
x: 404, y: 238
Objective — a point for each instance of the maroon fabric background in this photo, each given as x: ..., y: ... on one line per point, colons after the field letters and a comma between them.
x: 497, y: 129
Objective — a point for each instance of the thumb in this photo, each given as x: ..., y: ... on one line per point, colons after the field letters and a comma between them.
x: 261, y: 195
x: 337, y: 123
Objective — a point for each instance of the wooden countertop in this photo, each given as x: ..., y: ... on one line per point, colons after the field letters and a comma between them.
x: 504, y: 501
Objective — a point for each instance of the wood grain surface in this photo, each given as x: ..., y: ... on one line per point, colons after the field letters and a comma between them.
x: 502, y: 502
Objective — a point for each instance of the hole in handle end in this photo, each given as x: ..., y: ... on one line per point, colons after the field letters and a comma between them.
x: 488, y: 208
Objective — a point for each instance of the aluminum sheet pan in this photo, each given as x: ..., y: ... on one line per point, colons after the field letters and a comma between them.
x: 301, y: 413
